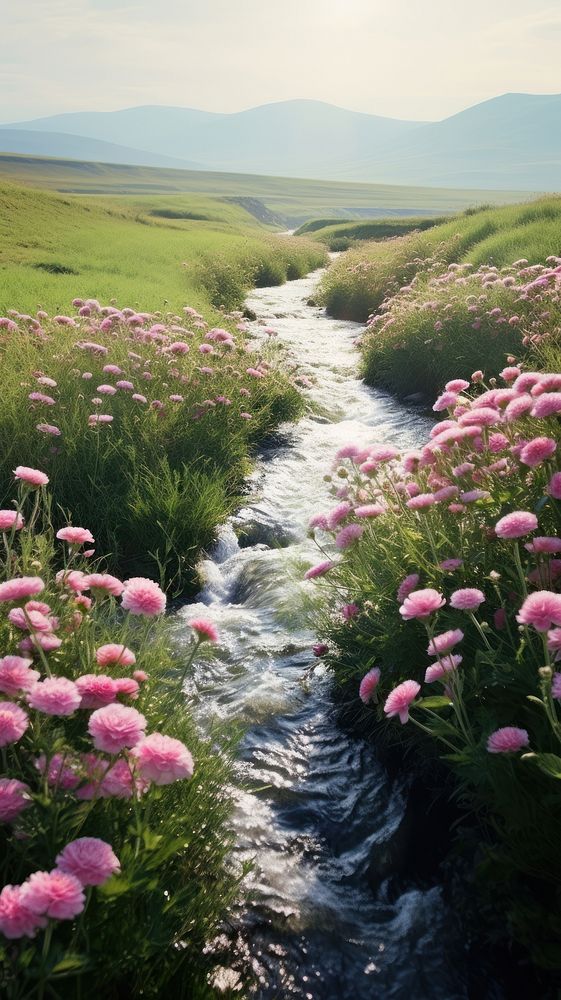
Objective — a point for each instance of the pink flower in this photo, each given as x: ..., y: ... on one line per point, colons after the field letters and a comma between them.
x: 140, y: 676
x: 421, y: 500
x: 75, y: 536
x: 51, y: 429
x: 143, y: 597
x: 517, y: 524
x: 32, y: 621
x: 450, y: 565
x: 537, y: 451
x: 542, y: 610
x: 368, y: 686
x: 103, y: 581
x: 99, y: 418
x: 399, y: 700
x: 21, y: 587
x: 162, y: 759
x: 10, y: 519
x: 89, y: 859
x: 40, y: 640
x: 544, y: 543
x: 13, y: 723
x: 118, y: 782
x: 350, y: 611
x: 509, y: 374
x: 320, y: 649
x: 16, y: 675
x: 112, y: 653
x: 509, y: 739
x: 370, y: 510
x: 467, y: 599
x: 407, y: 586
x: 443, y: 666
x: 205, y: 629
x: 127, y: 686
x: 351, y: 533
x: 32, y: 477
x: 63, y: 770
x: 55, y: 696
x: 74, y: 579
x: 554, y: 642
x: 456, y: 385
x: 470, y: 496
x: 547, y: 404
x: 556, y: 686
x: 16, y: 919
x: 319, y: 570
x: 15, y: 796
x: 421, y: 604
x: 53, y: 894
x: 115, y: 727
x: 554, y: 487
x: 444, y: 642
x: 96, y: 690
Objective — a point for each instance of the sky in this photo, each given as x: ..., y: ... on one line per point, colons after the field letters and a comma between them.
x: 418, y: 59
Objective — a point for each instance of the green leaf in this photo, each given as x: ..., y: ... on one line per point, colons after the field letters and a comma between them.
x: 435, y: 701
x: 70, y: 963
x: 549, y: 763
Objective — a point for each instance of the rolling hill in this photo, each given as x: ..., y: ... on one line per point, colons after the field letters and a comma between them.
x: 79, y: 147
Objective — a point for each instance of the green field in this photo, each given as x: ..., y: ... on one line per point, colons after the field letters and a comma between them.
x: 53, y: 248
x: 290, y: 200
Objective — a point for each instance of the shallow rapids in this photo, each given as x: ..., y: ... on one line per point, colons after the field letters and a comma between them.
x: 329, y: 919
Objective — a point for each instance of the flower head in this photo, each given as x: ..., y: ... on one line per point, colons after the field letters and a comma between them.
x: 368, y: 686
x: 162, y: 759
x: 467, y: 599
x: 53, y: 894
x: 399, y: 700
x: 10, y: 519
x: 16, y: 675
x: 15, y: 796
x: 55, y: 696
x: 206, y: 630
x: 407, y: 586
x: 444, y: 642
x: 421, y: 604
x: 91, y: 860
x: 31, y: 477
x: 113, y: 652
x: 509, y: 739
x: 96, y: 690
x: 21, y: 587
x: 13, y: 723
x: 115, y: 727
x: 75, y: 536
x: 542, y: 610
x: 143, y: 597
x: 16, y: 919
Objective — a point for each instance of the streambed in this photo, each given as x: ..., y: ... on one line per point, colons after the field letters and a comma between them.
x: 328, y: 918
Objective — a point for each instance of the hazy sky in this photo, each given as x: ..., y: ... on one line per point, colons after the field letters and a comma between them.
x: 420, y: 59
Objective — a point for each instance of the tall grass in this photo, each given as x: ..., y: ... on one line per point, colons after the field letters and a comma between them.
x: 357, y: 285
x: 419, y: 550
x: 144, y: 931
x: 169, y: 464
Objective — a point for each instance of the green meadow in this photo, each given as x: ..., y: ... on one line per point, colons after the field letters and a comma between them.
x: 151, y: 252
x: 291, y: 201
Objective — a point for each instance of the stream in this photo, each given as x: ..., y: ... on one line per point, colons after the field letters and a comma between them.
x: 327, y: 918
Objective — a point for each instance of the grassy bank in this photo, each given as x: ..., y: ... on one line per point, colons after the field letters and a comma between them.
x: 337, y: 235
x: 441, y: 612
x: 142, y: 899
x: 446, y: 301
x: 290, y: 199
x: 143, y: 413
x: 150, y: 253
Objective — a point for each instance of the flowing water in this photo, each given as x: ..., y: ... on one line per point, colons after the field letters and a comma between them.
x: 322, y: 821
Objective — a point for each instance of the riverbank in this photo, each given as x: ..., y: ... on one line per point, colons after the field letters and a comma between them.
x: 458, y: 297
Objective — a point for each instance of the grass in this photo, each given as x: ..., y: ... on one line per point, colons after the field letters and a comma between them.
x: 337, y: 235
x: 292, y: 201
x: 167, y: 475
x: 145, y: 931
x: 53, y: 248
x: 508, y: 673
x: 357, y: 285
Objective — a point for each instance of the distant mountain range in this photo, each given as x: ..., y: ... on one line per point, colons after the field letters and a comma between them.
x: 513, y: 141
